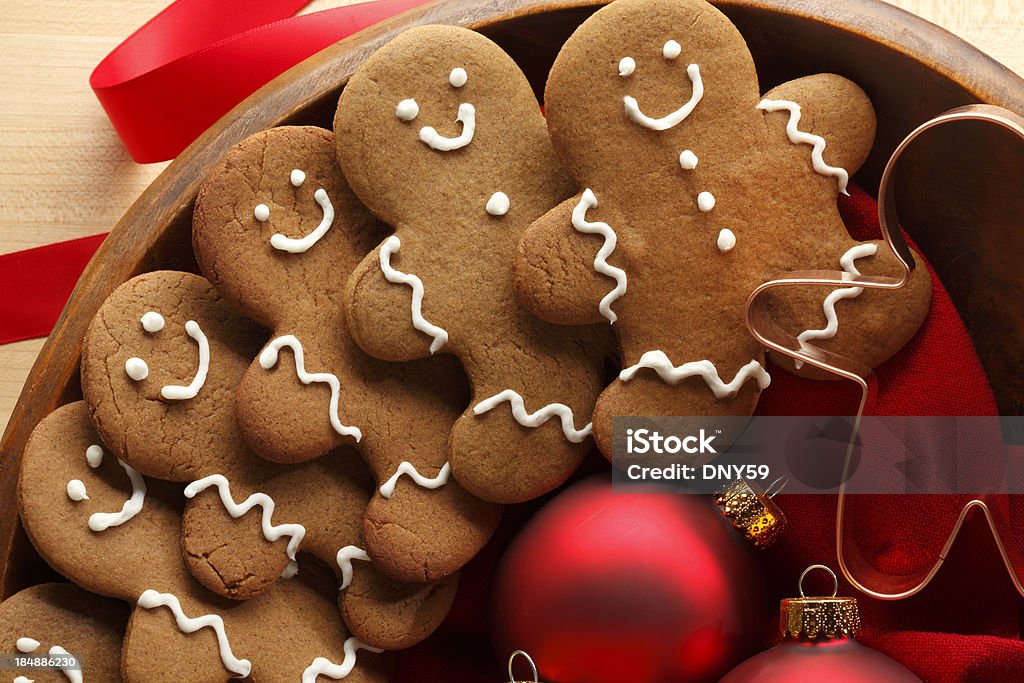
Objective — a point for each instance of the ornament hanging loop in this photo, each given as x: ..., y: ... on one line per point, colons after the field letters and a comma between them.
x: 800, y: 583
x: 512, y: 658
x: 775, y: 488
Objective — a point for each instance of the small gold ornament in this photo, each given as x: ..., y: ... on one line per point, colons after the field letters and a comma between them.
x: 529, y: 659
x: 829, y: 616
x: 753, y: 512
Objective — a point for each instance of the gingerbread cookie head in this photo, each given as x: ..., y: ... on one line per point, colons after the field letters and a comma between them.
x: 695, y: 189
x: 180, y: 631
x: 311, y: 388
x: 59, y: 619
x: 159, y: 359
x: 440, y: 135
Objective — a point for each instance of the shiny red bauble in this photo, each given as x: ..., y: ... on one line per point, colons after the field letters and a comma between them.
x: 607, y: 587
x: 836, y: 661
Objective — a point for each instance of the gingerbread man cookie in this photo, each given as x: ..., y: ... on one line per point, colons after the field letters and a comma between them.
x: 694, y: 190
x: 278, y: 232
x: 459, y: 195
x: 247, y: 517
x: 178, y: 631
x: 61, y: 620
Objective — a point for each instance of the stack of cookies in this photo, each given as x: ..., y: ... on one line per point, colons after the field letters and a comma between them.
x: 407, y: 323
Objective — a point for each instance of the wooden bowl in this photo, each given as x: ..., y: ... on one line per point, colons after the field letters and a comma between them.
x: 960, y: 200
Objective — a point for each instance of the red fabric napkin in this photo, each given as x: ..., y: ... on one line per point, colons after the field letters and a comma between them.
x: 965, y: 626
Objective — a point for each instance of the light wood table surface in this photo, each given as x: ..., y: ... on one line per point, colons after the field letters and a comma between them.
x: 64, y: 174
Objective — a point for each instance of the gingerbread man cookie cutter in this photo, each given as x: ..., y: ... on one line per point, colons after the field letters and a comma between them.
x: 854, y: 566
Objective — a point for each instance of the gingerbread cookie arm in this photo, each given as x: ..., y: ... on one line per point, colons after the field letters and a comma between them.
x: 567, y: 270
x: 828, y: 117
x: 388, y: 308
x: 869, y: 326
x: 392, y: 615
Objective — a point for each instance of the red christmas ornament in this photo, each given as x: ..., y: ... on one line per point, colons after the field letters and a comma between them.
x: 604, y: 587
x: 818, y: 645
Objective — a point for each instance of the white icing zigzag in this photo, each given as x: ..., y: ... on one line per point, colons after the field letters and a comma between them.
x: 434, y: 140
x: 659, y: 362
x: 392, y: 245
x: 151, y: 599
x: 173, y: 392
x: 271, y: 531
x: 322, y: 666
x: 344, y: 560
x: 268, y: 359
x: 679, y: 115
x: 837, y: 295
x: 536, y: 419
x: 799, y: 137
x: 302, y: 244
x: 579, y: 222
x: 387, y: 489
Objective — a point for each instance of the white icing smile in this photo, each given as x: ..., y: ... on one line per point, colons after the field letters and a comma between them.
x: 434, y: 140
x: 302, y: 244
x: 174, y: 392
x: 634, y: 114
x: 101, y: 521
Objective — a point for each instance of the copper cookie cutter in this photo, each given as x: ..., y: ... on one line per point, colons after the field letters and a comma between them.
x: 854, y: 566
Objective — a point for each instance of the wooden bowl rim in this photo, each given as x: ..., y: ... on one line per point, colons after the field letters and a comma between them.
x: 136, y: 232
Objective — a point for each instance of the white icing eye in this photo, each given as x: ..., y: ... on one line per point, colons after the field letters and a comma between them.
x: 627, y: 65
x: 458, y: 77
x: 688, y: 160
x: 94, y: 455
x: 705, y: 201
x: 297, y: 177
x: 261, y: 212
x: 407, y: 110
x: 726, y: 240
x: 498, y: 204
x: 76, y: 490
x: 671, y: 50
x: 136, y: 369
x: 152, y: 321
x: 27, y: 645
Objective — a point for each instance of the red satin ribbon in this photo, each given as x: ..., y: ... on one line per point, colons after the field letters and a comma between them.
x: 162, y: 87
x: 189, y: 65
x: 35, y: 284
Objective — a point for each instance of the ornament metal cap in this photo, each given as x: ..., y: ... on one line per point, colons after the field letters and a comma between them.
x: 752, y: 510
x: 812, y: 617
x: 529, y: 659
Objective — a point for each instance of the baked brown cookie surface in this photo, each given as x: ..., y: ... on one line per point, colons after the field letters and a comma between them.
x: 179, y: 630
x: 55, y: 619
x: 278, y: 232
x: 246, y: 517
x: 440, y: 135
x: 695, y: 189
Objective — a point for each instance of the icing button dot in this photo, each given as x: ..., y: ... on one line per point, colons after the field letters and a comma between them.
x: 136, y: 369
x: 627, y: 65
x: 705, y: 201
x: 672, y: 49
x: 688, y: 160
x: 458, y: 77
x: 261, y: 212
x: 726, y: 240
x: 407, y: 110
x: 297, y: 177
x: 498, y: 204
